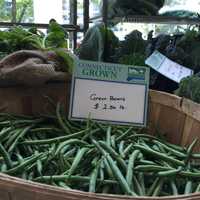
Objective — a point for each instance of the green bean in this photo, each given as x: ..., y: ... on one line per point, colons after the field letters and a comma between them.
x: 195, y: 156
x: 121, y: 149
x: 125, y: 134
x: 22, y: 166
x: 90, y: 133
x: 154, y: 147
x: 46, y: 130
x: 155, y: 138
x: 160, y: 155
x: 174, y: 188
x: 21, y: 135
x: 93, y: 179
x: 137, y: 186
x: 60, y: 120
x: 11, y: 137
x: 69, y: 153
x: 142, y: 184
x: 118, y: 175
x: 131, y: 162
x: 30, y: 176
x: 4, y: 132
x: 73, y: 178
x: 114, y: 154
x: 198, y: 188
x: 128, y: 149
x: 21, y: 160
x: 70, y: 127
x: 3, y: 167
x: 54, y: 140
x: 64, y: 149
x: 6, y: 156
x: 113, y: 142
x: 101, y: 170
x: 33, y: 165
x: 101, y: 127
x: 157, y: 190
x: 77, y: 160
x: 190, y: 149
x: 108, y: 169
x: 108, y: 136
x: 39, y: 164
x: 171, y: 172
x: 70, y: 141
x: 95, y: 161
x: 153, y: 187
x: 63, y: 185
x: 146, y: 162
x: 189, y: 174
x: 188, y: 187
x: 151, y: 168
x: 175, y: 152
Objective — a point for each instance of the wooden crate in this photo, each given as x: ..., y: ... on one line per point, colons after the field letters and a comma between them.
x: 177, y: 118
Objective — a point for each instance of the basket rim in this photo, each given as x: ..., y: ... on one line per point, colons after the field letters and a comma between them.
x: 48, y: 189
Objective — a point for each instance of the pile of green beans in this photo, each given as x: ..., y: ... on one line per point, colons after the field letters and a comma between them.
x: 95, y: 157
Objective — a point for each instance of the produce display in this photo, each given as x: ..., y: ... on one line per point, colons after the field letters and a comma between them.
x: 95, y: 157
x: 182, y: 48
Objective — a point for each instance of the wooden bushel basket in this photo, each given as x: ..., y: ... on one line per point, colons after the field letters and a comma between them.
x: 177, y: 118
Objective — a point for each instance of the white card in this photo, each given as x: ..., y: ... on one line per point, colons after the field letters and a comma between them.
x: 167, y: 67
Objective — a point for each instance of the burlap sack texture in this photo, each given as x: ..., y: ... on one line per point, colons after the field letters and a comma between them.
x: 29, y: 68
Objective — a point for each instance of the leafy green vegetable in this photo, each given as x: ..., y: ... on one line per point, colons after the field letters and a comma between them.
x: 99, y: 44
x: 66, y: 62
x: 18, y: 38
x: 190, y: 88
x: 133, y: 59
x: 57, y: 36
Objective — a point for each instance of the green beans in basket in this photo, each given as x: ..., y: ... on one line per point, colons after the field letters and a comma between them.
x: 95, y: 157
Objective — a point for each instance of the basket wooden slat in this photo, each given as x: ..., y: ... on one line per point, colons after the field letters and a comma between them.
x: 178, y: 119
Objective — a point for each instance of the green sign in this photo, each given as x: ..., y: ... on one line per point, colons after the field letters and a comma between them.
x: 109, y: 93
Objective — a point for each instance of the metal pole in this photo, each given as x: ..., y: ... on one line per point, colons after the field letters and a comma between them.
x: 105, y: 12
x: 86, y: 14
x: 14, y: 11
x: 73, y: 20
x: 105, y: 21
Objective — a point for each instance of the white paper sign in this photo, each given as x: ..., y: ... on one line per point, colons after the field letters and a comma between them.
x: 110, y: 93
x: 167, y: 67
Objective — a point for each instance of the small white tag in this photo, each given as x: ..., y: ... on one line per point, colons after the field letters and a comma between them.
x: 167, y: 67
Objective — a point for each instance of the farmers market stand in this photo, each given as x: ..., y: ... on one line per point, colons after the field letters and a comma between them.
x: 177, y: 118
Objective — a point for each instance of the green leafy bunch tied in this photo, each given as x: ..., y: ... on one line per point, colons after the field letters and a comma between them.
x: 189, y: 87
x: 57, y: 36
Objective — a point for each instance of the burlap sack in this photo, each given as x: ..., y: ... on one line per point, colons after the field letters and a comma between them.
x: 29, y: 68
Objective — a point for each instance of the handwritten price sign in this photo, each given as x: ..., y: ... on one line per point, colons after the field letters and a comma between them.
x: 109, y: 93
